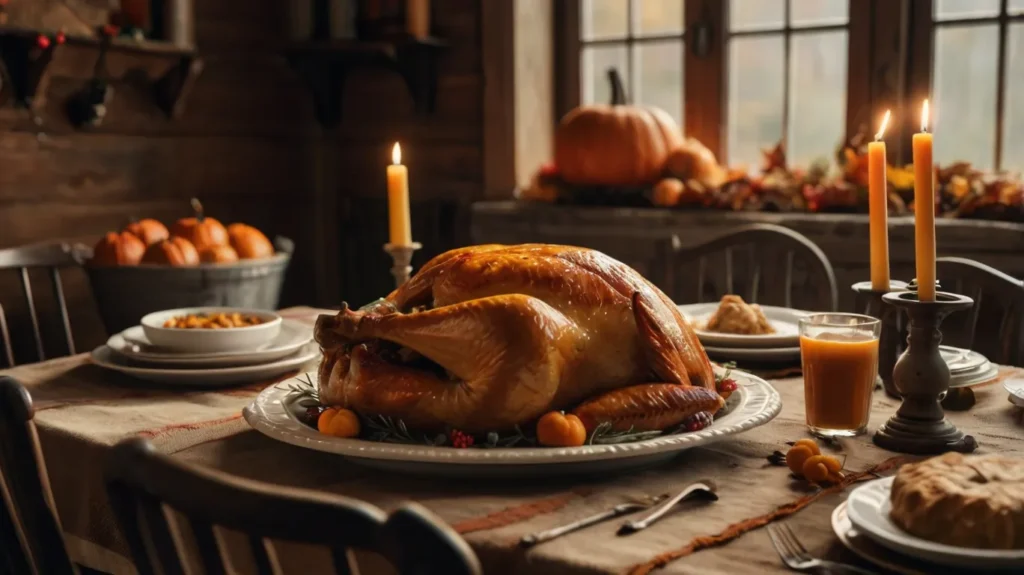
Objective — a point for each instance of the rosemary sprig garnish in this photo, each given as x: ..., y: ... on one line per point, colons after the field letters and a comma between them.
x: 304, y: 393
x: 392, y: 430
x: 603, y: 434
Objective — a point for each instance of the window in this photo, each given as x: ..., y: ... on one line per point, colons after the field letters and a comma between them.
x: 977, y: 69
x: 643, y: 40
x: 787, y: 68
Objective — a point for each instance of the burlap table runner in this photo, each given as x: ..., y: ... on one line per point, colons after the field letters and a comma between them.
x: 81, y: 410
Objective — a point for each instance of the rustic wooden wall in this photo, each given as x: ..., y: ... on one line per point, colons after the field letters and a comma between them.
x: 243, y: 146
x: 443, y: 151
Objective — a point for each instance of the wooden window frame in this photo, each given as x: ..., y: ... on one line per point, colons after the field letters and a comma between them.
x: 705, y: 60
x: 922, y: 58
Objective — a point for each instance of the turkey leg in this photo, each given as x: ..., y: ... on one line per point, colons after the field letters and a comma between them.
x: 647, y: 407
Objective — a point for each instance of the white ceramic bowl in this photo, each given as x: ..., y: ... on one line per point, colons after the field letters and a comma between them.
x: 204, y: 340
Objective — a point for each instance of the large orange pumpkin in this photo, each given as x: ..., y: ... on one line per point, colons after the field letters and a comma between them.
x: 201, y: 230
x: 118, y: 249
x: 249, y: 242
x: 175, y: 251
x: 616, y: 145
x: 148, y: 230
x: 218, y: 255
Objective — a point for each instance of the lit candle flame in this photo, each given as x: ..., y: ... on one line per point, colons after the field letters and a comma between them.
x: 924, y: 116
x: 396, y: 154
x: 885, y: 123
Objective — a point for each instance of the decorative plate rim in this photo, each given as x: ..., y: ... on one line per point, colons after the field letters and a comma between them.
x: 759, y: 403
x: 297, y: 328
x: 875, y: 494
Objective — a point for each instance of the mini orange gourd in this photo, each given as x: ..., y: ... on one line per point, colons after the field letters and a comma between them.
x: 556, y: 429
x: 615, y: 145
x: 249, y: 243
x: 174, y: 251
x: 218, y: 255
x: 148, y: 230
x: 200, y: 230
x: 338, y: 422
x: 118, y: 249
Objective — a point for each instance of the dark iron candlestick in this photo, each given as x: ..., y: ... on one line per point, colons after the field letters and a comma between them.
x: 921, y: 377
x: 889, y: 344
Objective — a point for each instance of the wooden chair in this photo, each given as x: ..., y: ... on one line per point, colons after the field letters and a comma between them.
x: 31, y: 540
x: 763, y: 263
x: 52, y: 257
x: 140, y: 482
x: 994, y: 325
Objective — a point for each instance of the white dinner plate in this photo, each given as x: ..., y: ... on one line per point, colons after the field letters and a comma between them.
x: 961, y: 360
x: 981, y: 374
x: 132, y: 344
x: 205, y: 377
x: 1015, y: 387
x: 275, y: 413
x: 753, y: 354
x: 870, y: 551
x: 786, y: 322
x: 868, y: 508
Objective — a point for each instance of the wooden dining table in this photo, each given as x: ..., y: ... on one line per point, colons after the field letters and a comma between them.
x: 82, y: 410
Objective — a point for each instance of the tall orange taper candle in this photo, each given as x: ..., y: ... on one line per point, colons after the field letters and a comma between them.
x: 398, y: 199
x: 878, y: 205
x: 924, y: 210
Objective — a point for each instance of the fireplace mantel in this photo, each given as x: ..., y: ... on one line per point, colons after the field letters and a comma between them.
x: 636, y: 235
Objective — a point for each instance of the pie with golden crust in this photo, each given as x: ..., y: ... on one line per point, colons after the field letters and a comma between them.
x: 972, y: 501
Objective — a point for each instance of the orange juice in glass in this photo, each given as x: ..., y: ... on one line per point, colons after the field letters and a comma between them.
x: 839, y: 353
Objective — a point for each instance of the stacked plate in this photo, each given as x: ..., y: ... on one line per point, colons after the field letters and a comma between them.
x: 779, y: 347
x: 863, y: 525
x: 209, y: 357
x: 967, y: 367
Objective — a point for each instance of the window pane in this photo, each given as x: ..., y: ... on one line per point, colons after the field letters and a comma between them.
x: 756, y: 75
x: 596, y: 62
x: 756, y: 14
x: 965, y: 94
x: 1016, y: 6
x: 818, y: 12
x: 604, y: 19
x: 952, y: 9
x: 659, y: 17
x: 817, y: 96
x: 1013, y: 127
x: 660, y: 66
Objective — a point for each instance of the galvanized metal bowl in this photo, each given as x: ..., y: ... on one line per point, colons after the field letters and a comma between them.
x: 125, y: 294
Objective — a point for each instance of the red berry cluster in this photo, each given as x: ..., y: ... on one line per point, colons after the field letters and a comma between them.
x: 460, y: 439
x: 698, y: 421
x: 727, y: 384
x: 313, y: 414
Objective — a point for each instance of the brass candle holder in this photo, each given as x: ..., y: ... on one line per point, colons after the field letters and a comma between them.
x: 401, y: 256
x: 889, y: 341
x: 921, y: 378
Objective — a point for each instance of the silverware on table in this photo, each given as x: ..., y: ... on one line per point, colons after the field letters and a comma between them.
x: 702, y: 489
x: 617, y: 511
x: 796, y: 557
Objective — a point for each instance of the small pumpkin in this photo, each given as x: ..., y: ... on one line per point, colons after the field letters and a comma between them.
x: 118, y: 249
x: 201, y: 230
x: 668, y: 192
x: 218, y: 255
x: 557, y: 429
x: 338, y: 422
x: 148, y: 230
x: 693, y: 160
x: 616, y: 145
x: 174, y: 251
x: 249, y: 243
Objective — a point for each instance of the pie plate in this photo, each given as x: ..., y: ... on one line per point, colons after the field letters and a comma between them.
x: 274, y: 412
x: 786, y: 322
x: 868, y: 508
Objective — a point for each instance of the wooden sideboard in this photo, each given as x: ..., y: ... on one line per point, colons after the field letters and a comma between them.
x: 640, y: 236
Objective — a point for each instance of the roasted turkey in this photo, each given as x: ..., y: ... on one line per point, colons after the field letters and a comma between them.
x: 489, y: 337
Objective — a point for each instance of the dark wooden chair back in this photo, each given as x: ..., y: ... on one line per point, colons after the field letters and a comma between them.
x: 30, y: 534
x: 140, y: 482
x: 52, y: 257
x: 763, y: 263
x: 995, y: 325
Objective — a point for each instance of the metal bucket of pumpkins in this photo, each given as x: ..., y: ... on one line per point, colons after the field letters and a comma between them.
x: 197, y: 262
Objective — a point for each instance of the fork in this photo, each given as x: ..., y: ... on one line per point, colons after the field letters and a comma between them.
x: 796, y: 557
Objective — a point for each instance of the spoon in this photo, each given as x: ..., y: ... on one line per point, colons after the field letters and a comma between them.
x: 617, y: 511
x: 702, y: 489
